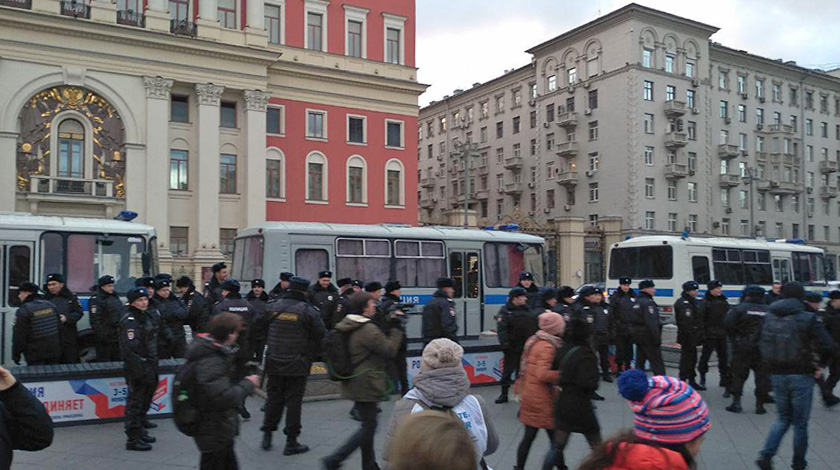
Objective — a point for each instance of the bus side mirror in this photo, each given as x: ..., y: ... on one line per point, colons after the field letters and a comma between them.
x: 147, y: 263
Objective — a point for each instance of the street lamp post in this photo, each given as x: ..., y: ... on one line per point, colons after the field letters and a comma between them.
x: 466, y: 152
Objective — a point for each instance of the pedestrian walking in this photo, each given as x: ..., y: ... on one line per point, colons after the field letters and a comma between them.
x: 37, y: 331
x: 259, y: 299
x: 517, y: 323
x: 432, y: 440
x: 537, y: 381
x: 138, y: 344
x: 646, y: 329
x: 831, y: 318
x: 621, y: 302
x: 69, y: 313
x: 24, y: 422
x: 743, y: 324
x: 689, y: 332
x: 439, y: 317
x: 106, y: 311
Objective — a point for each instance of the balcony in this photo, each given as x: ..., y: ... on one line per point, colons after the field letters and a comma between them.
x: 568, y: 149
x: 51, y: 185
x: 513, y: 163
x: 427, y: 203
x: 785, y: 187
x: 131, y: 18
x: 76, y: 9
x: 764, y: 185
x: 729, y: 181
x: 676, y: 139
x: 25, y: 4
x: 184, y: 28
x: 675, y: 171
x: 728, y: 151
x: 790, y: 159
x: 482, y: 195
x: 828, y: 166
x: 513, y: 188
x: 427, y: 183
x: 762, y: 156
x: 828, y: 192
x: 675, y: 108
x: 567, y: 120
x: 568, y: 178
x: 780, y: 128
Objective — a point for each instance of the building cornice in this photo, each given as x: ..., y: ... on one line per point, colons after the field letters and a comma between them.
x: 346, y: 77
x: 487, y: 88
x: 721, y: 53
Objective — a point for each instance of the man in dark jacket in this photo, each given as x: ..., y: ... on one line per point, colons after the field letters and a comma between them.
x: 37, y: 331
x: 173, y: 315
x: 831, y: 319
x: 213, y: 289
x: 526, y: 281
x: 106, y: 311
x: 689, y: 332
x: 323, y: 296
x: 789, y: 337
x: 517, y: 323
x: 342, y: 305
x: 69, y: 312
x: 259, y: 299
x: 295, y: 331
x: 399, y: 368
x: 590, y: 308
x: 439, y: 320
x: 217, y: 396
x: 774, y: 294
x: 234, y: 303
x: 713, y: 311
x: 566, y: 305
x: 198, y: 309
x: 281, y: 287
x: 621, y: 303
x: 138, y: 344
x: 24, y: 422
x: 743, y: 324
x: 647, y: 329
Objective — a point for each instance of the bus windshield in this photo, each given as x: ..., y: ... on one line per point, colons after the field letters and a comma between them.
x: 647, y: 262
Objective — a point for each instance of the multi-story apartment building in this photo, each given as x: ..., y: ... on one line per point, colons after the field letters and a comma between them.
x: 208, y: 116
x: 639, y: 115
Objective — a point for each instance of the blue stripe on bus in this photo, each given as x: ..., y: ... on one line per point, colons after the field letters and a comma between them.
x: 85, y: 302
x: 422, y: 299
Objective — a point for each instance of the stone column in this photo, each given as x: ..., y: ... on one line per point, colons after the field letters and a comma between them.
x: 206, y: 189
x: 611, y: 225
x: 135, y: 180
x: 157, y: 158
x: 571, y: 233
x: 208, y: 23
x: 8, y: 177
x: 255, y: 34
x: 157, y: 15
x: 103, y: 11
x: 256, y: 102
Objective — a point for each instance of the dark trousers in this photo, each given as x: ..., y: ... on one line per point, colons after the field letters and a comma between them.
x: 555, y: 457
x: 222, y: 459
x: 623, y: 351
x: 742, y: 363
x: 652, y: 353
x: 259, y: 349
x: 525, y: 445
x: 511, y: 365
x: 603, y: 350
x: 400, y: 371
x: 284, y: 393
x: 69, y: 347
x: 362, y: 438
x: 719, y: 345
x: 827, y: 384
x: 688, y: 359
x: 108, y: 352
x: 140, y: 394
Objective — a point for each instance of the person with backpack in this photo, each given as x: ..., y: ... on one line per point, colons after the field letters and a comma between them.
x: 215, y: 397
x: 234, y: 303
x: 516, y: 324
x: 789, y: 338
x: 831, y: 318
x: 442, y: 385
x: 295, y: 331
x: 621, y: 302
x: 37, y: 331
x: 743, y: 324
x: 368, y: 350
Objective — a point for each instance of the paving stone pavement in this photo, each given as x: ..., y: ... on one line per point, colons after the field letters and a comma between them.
x: 731, y: 444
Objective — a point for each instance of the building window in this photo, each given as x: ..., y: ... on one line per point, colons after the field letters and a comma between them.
x: 692, y: 192
x: 670, y: 93
x: 226, y: 237
x: 593, y: 130
x: 354, y: 38
x: 533, y: 146
x: 648, y: 90
x: 724, y: 227
x: 649, y: 155
x: 670, y: 60
x: 809, y: 127
x: 650, y: 220
x: 593, y: 99
x: 549, y: 112
x: 394, y: 183
x: 356, y: 180
x: 549, y: 141
x: 315, y: 31
x: 824, y: 129
x: 759, y: 116
x: 533, y: 119
x: 500, y: 155
x: 274, y: 183
x: 724, y: 109
x: 780, y: 230
x: 689, y: 69
x: 356, y: 132
x: 394, y: 134
x: 516, y: 125
x: 572, y: 75
x: 691, y: 130
x: 759, y: 88
x: 316, y: 177
x: 648, y: 123
x: 723, y: 80
x: 179, y: 11
x: 178, y: 173
x: 692, y: 223
x: 228, y: 115
x: 549, y: 199
x: 483, y: 134
x: 552, y: 83
x: 672, y: 221
x: 745, y: 228
x: 393, y: 46
x: 274, y: 120
x: 274, y: 23
x: 227, y: 184
x: 179, y: 108
x: 179, y: 238
x: 692, y: 161
x: 672, y: 190
x: 517, y: 97
x: 316, y: 124
x: 500, y: 129
x: 517, y: 150
x: 689, y: 98
x: 71, y: 144
x: 647, y: 58
x: 226, y: 14
x: 500, y: 104
x: 594, y: 160
x: 742, y: 113
x: 742, y: 84
x: 649, y: 189
x: 593, y: 192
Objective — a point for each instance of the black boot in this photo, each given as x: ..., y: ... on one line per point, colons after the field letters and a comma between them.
x: 759, y: 408
x: 596, y: 397
x: 831, y: 401
x: 354, y: 413
x: 137, y: 445
x: 148, y: 439
x: 764, y: 462
x: 149, y: 425
x: 503, y: 397
x: 735, y: 407
x: 266, y: 442
x: 703, y: 381
x: 293, y: 447
x: 607, y: 378
x: 696, y: 386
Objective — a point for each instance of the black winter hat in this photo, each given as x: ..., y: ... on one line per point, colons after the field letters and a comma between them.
x: 231, y: 285
x: 517, y: 292
x: 56, y: 277
x: 218, y: 267
x: 586, y: 291
x: 325, y: 274
x: 548, y: 293
x: 373, y: 286
x: 344, y: 281
x: 624, y: 281
x: 184, y: 281
x: 814, y: 297
x: 690, y: 286
x: 834, y: 295
x: 298, y: 284
x: 358, y: 283
x: 145, y: 281
x: 163, y: 276
x: 391, y: 286
x: 163, y: 282
x: 754, y: 291
x: 714, y: 283
x: 646, y: 284
x: 793, y: 290
x: 443, y: 282
x: 286, y: 275
x: 526, y: 276
x: 136, y: 293
x: 577, y: 331
x: 257, y: 283
x: 565, y: 292
x: 30, y: 287
x: 105, y: 280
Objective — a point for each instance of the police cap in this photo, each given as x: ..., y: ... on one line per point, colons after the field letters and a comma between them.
x: 257, y: 283
x: 646, y: 284
x: 689, y: 286
x: 517, y: 292
x: 231, y: 285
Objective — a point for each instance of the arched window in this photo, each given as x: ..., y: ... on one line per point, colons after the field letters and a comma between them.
x: 316, y: 178
x: 356, y: 180
x: 71, y: 145
x: 394, y: 183
x: 275, y: 173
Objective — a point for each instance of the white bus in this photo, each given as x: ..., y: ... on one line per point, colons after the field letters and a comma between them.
x: 670, y: 261
x: 484, y: 263
x: 31, y: 247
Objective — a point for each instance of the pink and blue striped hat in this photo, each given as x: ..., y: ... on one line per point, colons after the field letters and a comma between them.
x: 665, y: 409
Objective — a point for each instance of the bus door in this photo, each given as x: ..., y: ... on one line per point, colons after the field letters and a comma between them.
x: 16, y: 267
x: 465, y: 269
x: 309, y: 260
x: 701, y: 267
x: 781, y: 269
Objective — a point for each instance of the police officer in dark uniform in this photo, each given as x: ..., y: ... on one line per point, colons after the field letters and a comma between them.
x: 69, y: 312
x: 106, y: 311
x: 374, y: 288
x: 566, y: 304
x: 37, y: 330
x: 526, y: 281
x: 621, y: 303
x: 173, y: 312
x: 399, y: 367
x: 646, y: 329
x: 259, y: 300
x: 831, y: 318
x: 743, y: 323
x: 591, y: 309
x: 198, y: 309
x: 517, y: 323
x: 234, y: 303
x: 439, y: 314
x: 774, y: 294
x: 713, y: 310
x: 342, y: 305
x: 213, y: 289
x: 295, y: 331
x: 689, y: 332
x: 323, y: 296
x: 280, y: 288
x: 138, y: 344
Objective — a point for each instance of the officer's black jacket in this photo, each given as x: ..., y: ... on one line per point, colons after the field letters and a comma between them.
x: 24, y: 423
x: 646, y: 327
x: 324, y: 299
x: 37, y: 333
x: 342, y: 308
x: 516, y: 324
x: 295, y: 331
x: 67, y: 304
x: 831, y: 318
x: 213, y: 292
x: 439, y: 319
x: 138, y: 344
x: 106, y: 311
x: 198, y: 310
x: 597, y: 315
x: 258, y: 306
x: 743, y: 323
x: 534, y: 297
x: 621, y: 304
x: 173, y: 315
x: 688, y: 318
x: 713, y: 309
x: 234, y: 303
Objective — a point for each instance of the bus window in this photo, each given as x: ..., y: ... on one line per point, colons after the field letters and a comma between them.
x: 248, y: 259
x: 456, y: 272
x: 781, y: 270
x: 504, y: 261
x: 308, y: 263
x: 650, y: 262
x: 728, y: 267
x: 808, y: 267
x: 473, y: 284
x: 757, y: 268
x: 90, y: 256
x: 700, y: 269
x: 362, y: 258
x: 52, y: 253
x: 20, y: 262
x: 419, y: 263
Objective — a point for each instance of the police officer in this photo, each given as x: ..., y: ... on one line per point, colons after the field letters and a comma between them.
x: 713, y: 310
x: 517, y: 323
x: 295, y: 331
x: 213, y: 289
x: 399, y: 369
x: 831, y: 318
x: 689, y: 332
x: 172, y: 340
x: 69, y: 312
x: 374, y: 288
x: 138, y: 344
x: 590, y: 308
x: 566, y: 295
x: 259, y: 300
x: 743, y: 323
x: 281, y: 287
x: 106, y: 311
x: 342, y: 305
x: 198, y: 309
x: 813, y: 302
x: 439, y: 314
x: 775, y: 293
x: 357, y: 285
x: 621, y: 303
x: 526, y: 281
x: 37, y: 330
x: 234, y: 303
x: 323, y: 296
x: 646, y: 329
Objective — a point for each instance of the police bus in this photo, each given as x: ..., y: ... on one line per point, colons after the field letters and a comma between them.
x: 671, y: 260
x: 484, y: 263
x: 32, y: 246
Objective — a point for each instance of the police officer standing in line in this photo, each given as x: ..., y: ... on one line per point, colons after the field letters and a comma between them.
x: 775, y: 293
x: 517, y: 323
x: 590, y: 308
x: 295, y: 331
x: 323, y: 296
x: 743, y: 323
x: 138, y: 344
x: 713, y: 310
x: 106, y: 311
x: 259, y: 300
x: 213, y: 289
x: 621, y: 303
x: 813, y: 302
x: 374, y: 288
x: 526, y: 281
x: 647, y: 329
x: 831, y: 319
x: 198, y: 309
x: 399, y: 366
x: 689, y: 332
x: 342, y: 305
x: 281, y: 287
x: 439, y: 314
x: 566, y: 305
x: 172, y: 341
x: 234, y: 303
x: 69, y: 312
x: 37, y: 330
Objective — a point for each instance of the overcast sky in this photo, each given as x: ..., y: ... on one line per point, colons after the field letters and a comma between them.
x: 460, y: 42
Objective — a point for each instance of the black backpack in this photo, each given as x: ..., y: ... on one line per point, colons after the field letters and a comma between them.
x: 336, y: 347
x: 781, y: 342
x: 184, y: 411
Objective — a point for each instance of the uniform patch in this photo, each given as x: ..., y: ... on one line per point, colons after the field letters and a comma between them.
x: 288, y: 317
x: 452, y: 311
x: 688, y: 313
x: 93, y: 309
x: 330, y: 298
x: 129, y: 334
x: 652, y: 309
